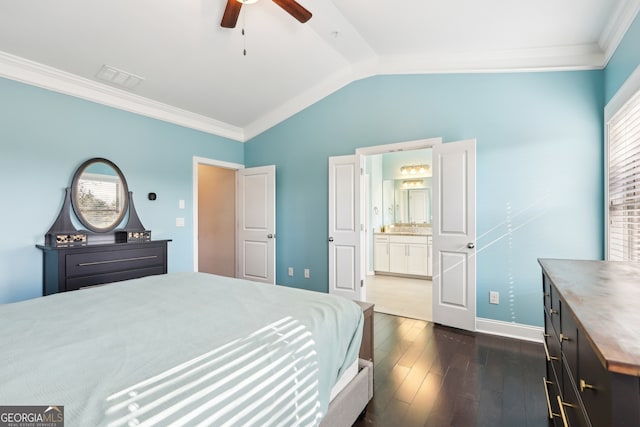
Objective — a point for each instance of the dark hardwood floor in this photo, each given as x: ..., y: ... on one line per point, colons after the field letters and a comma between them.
x: 428, y: 375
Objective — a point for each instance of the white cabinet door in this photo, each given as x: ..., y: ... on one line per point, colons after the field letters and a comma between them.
x: 417, y: 259
x: 408, y: 255
x: 397, y: 257
x: 381, y: 255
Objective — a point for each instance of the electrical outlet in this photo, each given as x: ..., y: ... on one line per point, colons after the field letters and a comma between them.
x: 306, y: 273
x: 290, y: 271
x: 180, y: 222
x: 494, y: 297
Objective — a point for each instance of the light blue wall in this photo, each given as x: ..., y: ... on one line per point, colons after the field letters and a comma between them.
x: 539, y: 169
x: 45, y: 136
x: 624, y: 60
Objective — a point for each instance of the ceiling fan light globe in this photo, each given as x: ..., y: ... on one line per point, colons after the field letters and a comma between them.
x: 247, y: 1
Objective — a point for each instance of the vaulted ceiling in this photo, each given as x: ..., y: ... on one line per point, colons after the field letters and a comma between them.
x: 193, y: 72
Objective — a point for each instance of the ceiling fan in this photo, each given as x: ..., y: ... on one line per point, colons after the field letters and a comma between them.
x: 292, y: 7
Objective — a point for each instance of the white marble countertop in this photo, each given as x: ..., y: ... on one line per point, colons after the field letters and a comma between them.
x: 404, y: 233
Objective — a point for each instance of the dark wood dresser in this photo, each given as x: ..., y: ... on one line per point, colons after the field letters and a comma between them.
x: 71, y: 268
x: 366, y: 347
x: 592, y: 342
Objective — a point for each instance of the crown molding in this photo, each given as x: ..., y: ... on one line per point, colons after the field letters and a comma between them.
x: 620, y: 21
x: 19, y: 69
x: 559, y: 58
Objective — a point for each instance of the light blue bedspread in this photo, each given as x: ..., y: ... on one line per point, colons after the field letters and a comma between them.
x: 179, y: 349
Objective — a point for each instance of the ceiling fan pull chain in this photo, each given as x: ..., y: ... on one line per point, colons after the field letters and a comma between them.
x: 244, y: 37
x: 244, y: 42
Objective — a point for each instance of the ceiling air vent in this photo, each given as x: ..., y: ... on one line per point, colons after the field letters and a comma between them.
x: 119, y: 77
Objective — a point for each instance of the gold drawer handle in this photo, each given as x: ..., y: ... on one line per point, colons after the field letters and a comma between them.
x: 584, y: 386
x: 562, y: 405
x: 563, y: 337
x: 546, y: 394
x: 552, y: 311
x: 546, y: 351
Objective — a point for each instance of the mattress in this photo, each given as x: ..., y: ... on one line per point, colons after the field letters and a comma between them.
x: 180, y: 349
x: 346, y: 377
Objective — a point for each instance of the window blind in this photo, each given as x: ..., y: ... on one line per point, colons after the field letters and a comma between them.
x: 624, y: 182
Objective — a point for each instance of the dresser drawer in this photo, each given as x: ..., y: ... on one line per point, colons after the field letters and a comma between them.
x: 594, y: 385
x: 553, y: 354
x: 74, y: 283
x: 67, y: 269
x: 555, y: 312
x: 569, y: 342
x: 546, y: 292
x: 571, y: 407
x: 92, y: 263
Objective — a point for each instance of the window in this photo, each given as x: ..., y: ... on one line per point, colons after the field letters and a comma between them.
x: 623, y: 136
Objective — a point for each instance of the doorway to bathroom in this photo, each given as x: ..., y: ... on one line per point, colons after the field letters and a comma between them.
x: 398, y: 232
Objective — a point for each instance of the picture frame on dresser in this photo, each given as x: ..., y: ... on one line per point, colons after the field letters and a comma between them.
x: 108, y: 249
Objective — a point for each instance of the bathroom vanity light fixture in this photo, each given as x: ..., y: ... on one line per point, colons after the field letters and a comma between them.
x: 413, y: 183
x: 414, y: 169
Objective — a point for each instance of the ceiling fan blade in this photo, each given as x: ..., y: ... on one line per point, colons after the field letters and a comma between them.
x: 294, y: 9
x: 231, y: 13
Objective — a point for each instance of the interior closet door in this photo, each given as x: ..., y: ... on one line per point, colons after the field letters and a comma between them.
x: 256, y: 244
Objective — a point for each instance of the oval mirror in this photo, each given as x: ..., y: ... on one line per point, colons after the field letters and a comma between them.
x: 99, y: 195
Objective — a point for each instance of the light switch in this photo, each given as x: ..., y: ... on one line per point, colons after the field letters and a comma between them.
x: 179, y: 222
x: 181, y: 204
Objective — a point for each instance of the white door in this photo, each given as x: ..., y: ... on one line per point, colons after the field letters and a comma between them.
x: 256, y: 244
x: 454, y: 234
x: 345, y: 263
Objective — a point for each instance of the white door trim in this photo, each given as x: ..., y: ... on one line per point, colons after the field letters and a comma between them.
x: 416, y: 144
x: 211, y: 162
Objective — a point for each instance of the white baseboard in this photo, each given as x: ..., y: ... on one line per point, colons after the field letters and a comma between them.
x: 509, y: 329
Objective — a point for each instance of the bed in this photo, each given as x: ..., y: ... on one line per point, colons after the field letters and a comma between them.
x: 187, y: 349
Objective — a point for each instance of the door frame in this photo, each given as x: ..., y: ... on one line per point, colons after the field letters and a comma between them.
x: 209, y: 162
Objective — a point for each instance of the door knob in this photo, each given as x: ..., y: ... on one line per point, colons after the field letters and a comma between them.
x: 471, y: 245
x: 270, y: 236
x: 331, y: 239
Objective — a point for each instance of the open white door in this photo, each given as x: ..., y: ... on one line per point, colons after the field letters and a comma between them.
x: 345, y: 263
x: 454, y: 234
x: 256, y: 243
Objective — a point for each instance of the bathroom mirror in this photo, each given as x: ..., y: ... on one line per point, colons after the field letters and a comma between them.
x: 413, y: 205
x: 99, y: 195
